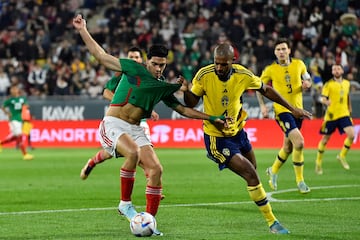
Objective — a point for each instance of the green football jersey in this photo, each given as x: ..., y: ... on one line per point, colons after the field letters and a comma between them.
x: 14, y: 106
x: 138, y: 87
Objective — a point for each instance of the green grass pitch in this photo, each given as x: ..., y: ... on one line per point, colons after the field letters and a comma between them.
x: 46, y: 199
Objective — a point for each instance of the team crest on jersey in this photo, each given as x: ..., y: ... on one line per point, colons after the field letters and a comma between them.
x: 224, y: 101
x: 287, y: 125
x: 226, y: 152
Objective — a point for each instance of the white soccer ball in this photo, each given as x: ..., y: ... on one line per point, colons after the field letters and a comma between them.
x: 143, y: 224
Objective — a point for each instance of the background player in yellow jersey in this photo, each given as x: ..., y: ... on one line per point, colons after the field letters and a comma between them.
x: 221, y: 86
x: 289, y: 77
x: 336, y: 96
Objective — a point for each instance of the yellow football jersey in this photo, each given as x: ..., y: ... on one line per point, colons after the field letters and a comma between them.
x: 338, y: 94
x: 224, y: 97
x: 287, y: 80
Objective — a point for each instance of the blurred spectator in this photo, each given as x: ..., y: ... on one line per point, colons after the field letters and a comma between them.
x: 38, y: 30
x: 4, y: 82
x: 36, y: 79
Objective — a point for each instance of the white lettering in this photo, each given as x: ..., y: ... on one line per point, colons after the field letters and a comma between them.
x: 357, y: 133
x: 74, y: 113
x: 251, y: 133
x: 181, y: 135
x: 64, y: 135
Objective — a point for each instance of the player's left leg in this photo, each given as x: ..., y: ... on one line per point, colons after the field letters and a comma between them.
x: 297, y: 141
x: 99, y: 157
x: 350, y: 134
x: 153, y: 169
x: 319, y: 156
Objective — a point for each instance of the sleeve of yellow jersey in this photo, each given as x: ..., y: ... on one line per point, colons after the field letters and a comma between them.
x: 197, y: 86
x: 265, y: 75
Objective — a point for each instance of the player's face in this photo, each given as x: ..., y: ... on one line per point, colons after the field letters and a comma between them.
x: 223, y: 66
x: 282, y: 52
x: 156, y: 66
x: 136, y: 56
x: 14, y: 91
x: 337, y: 71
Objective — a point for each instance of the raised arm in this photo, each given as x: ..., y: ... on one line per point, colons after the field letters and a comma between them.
x: 94, y: 48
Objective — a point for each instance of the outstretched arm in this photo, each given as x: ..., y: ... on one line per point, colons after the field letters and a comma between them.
x: 274, y: 96
x: 95, y: 49
x: 195, y: 114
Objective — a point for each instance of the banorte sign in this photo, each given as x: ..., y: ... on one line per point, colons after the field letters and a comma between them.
x: 182, y: 133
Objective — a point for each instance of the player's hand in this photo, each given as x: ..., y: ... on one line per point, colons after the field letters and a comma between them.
x: 78, y: 22
x: 306, y: 84
x: 301, y: 113
x: 154, y: 116
x: 221, y: 121
x: 264, y: 111
x: 185, y: 84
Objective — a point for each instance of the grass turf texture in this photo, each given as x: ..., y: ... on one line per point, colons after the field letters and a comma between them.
x: 46, y: 199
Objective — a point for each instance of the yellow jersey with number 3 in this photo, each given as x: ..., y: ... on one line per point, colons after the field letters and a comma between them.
x: 224, y: 97
x: 287, y: 80
x: 338, y: 94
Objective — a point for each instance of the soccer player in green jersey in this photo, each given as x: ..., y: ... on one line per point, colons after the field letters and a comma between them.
x: 289, y: 77
x: 13, y: 107
x: 221, y: 86
x: 102, y: 155
x: 139, y: 90
x: 134, y: 53
x: 336, y: 96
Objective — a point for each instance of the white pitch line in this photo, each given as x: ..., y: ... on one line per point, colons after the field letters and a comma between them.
x: 269, y: 195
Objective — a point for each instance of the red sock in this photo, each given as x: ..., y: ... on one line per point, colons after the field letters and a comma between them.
x: 127, y: 179
x: 153, y: 197
x: 19, y: 142
x: 98, y: 158
x: 9, y: 138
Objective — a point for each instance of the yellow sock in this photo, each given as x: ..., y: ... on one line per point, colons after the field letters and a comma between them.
x: 344, y: 150
x: 258, y: 195
x: 320, y: 153
x: 298, y: 162
x: 279, y: 161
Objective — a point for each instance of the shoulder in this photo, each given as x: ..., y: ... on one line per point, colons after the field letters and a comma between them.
x: 204, y: 71
x: 297, y: 61
x: 239, y: 69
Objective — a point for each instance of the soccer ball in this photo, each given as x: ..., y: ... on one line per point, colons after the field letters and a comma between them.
x: 143, y: 224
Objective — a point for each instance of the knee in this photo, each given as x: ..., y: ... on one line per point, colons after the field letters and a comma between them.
x: 133, y: 153
x: 299, y: 144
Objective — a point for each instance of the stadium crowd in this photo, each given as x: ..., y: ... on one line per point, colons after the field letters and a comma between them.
x: 40, y: 51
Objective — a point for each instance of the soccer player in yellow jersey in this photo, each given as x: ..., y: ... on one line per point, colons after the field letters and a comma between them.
x: 289, y: 77
x: 221, y: 86
x: 335, y: 95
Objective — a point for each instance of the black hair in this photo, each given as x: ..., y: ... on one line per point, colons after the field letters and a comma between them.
x: 134, y: 49
x: 157, y: 50
x: 282, y: 40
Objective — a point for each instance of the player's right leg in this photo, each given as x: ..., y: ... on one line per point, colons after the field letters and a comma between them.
x: 116, y: 137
